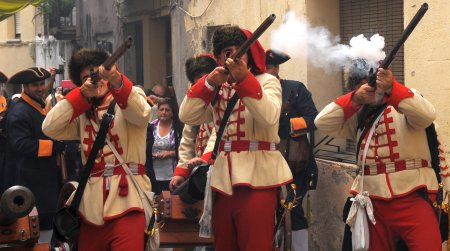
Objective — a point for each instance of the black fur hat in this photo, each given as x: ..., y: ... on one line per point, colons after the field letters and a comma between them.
x: 199, y: 65
x: 357, y: 71
x: 3, y: 78
x: 85, y: 58
x: 30, y: 75
x: 227, y: 36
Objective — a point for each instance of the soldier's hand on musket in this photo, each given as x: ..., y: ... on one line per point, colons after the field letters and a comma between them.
x: 175, y: 182
x: 52, y: 71
x: 384, y: 80
x: 217, y: 77
x: 113, y: 76
x: 196, y: 162
x: 238, y: 69
x: 365, y: 94
x: 88, y: 89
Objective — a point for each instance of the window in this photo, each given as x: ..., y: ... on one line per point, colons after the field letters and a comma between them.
x: 17, y: 26
x: 369, y: 17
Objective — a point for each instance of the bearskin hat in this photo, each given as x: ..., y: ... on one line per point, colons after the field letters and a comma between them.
x: 83, y: 59
x: 357, y: 71
x: 227, y: 36
x: 199, y: 65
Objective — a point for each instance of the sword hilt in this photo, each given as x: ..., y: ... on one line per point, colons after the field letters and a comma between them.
x: 291, y: 198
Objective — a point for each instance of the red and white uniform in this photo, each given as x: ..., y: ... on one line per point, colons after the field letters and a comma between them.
x: 109, y: 193
x: 193, y: 144
x: 398, y: 163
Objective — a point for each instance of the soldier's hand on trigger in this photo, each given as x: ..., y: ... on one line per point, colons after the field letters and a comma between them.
x: 238, y: 69
x: 217, y: 77
x: 365, y: 94
x: 88, y: 89
x: 113, y: 76
x: 384, y: 80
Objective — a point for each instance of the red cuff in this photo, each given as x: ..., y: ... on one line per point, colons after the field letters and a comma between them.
x: 398, y: 93
x: 121, y: 94
x: 79, y: 104
x: 249, y: 87
x: 345, y: 101
x: 207, y: 157
x: 199, y: 90
x: 182, y: 171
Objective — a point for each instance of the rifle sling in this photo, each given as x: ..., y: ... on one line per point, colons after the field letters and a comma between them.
x: 367, y: 128
x: 226, y: 115
x: 107, y: 118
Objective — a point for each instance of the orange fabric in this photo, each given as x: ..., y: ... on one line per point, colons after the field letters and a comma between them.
x: 298, y: 126
x: 3, y: 104
x: 33, y: 103
x: 45, y: 148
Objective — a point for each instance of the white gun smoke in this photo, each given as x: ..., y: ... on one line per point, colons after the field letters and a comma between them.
x: 297, y: 38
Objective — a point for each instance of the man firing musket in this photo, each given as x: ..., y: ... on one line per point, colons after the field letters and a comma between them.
x: 248, y: 168
x: 110, y: 207
x: 396, y: 179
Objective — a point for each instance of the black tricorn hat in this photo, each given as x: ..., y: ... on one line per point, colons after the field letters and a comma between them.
x: 30, y: 75
x: 276, y: 57
x: 3, y: 78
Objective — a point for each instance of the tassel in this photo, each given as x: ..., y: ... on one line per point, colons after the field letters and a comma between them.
x: 123, y: 185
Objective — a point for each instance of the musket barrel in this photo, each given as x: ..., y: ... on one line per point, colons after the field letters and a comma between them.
x: 16, y: 202
x: 256, y: 34
x: 411, y: 26
x: 391, y: 55
x: 118, y: 53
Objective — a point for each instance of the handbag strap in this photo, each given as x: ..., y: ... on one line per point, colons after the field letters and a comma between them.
x: 226, y: 115
x: 107, y: 118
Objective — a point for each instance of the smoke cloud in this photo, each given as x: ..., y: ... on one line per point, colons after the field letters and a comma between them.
x: 297, y: 38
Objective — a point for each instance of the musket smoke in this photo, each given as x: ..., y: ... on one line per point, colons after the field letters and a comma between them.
x: 299, y: 39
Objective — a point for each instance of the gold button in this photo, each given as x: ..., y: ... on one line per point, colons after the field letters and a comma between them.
x: 377, y: 158
x: 259, y: 94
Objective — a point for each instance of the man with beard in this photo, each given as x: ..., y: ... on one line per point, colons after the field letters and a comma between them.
x: 248, y: 169
x: 111, y: 209
x: 31, y: 154
x: 393, y: 156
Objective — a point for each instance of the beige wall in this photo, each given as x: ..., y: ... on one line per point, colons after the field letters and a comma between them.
x: 427, y: 59
x: 15, y: 56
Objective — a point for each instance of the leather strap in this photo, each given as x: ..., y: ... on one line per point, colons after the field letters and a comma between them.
x: 107, y: 119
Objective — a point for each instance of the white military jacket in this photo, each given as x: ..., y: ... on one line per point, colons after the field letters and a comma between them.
x: 254, y: 119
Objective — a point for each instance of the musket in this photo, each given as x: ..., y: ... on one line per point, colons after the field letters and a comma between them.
x: 391, y: 55
x: 246, y: 45
x: 111, y: 60
x: 256, y: 34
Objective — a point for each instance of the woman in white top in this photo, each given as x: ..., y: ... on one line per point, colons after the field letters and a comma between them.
x: 163, y: 151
